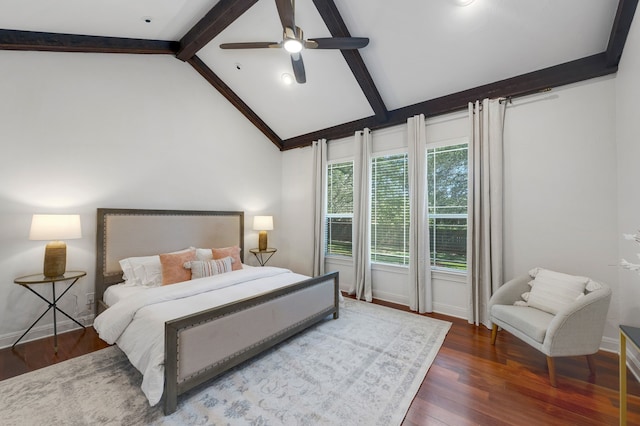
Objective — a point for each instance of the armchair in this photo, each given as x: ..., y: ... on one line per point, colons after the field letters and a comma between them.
x: 574, y: 330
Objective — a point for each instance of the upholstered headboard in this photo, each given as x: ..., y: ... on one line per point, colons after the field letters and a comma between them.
x: 125, y: 233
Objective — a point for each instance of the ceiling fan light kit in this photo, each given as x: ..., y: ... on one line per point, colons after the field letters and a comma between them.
x: 292, y: 45
x: 293, y: 40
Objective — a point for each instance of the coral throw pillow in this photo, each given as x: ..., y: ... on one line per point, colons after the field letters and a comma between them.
x: 172, y: 266
x: 234, y: 252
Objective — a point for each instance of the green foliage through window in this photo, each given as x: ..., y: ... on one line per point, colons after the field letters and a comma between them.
x: 339, y: 217
x: 390, y: 209
x: 447, y: 174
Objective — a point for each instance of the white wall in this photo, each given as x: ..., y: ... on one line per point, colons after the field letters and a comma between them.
x: 296, y: 237
x: 82, y: 131
x: 560, y: 184
x: 628, y: 144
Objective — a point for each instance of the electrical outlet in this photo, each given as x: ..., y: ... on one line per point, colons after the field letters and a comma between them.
x: 90, y: 299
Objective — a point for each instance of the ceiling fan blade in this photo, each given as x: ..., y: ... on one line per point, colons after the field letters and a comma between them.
x: 337, y: 43
x: 250, y: 45
x: 298, y: 68
x: 285, y: 10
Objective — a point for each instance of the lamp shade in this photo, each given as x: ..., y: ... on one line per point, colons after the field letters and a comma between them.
x: 263, y: 223
x: 50, y: 227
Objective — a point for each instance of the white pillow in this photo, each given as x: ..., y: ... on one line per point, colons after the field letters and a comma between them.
x: 150, y: 273
x: 534, y: 272
x: 131, y: 265
x: 525, y: 299
x: 207, y: 268
x: 593, y: 286
x: 204, y: 254
x: 145, y: 270
x: 553, y: 291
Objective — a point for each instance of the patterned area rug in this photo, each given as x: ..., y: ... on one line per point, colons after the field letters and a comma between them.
x: 364, y: 368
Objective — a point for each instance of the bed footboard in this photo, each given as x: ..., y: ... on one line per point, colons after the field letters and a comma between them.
x: 201, y: 346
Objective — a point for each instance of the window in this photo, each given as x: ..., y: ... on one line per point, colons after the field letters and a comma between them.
x: 390, y: 209
x: 339, y: 217
x: 447, y: 173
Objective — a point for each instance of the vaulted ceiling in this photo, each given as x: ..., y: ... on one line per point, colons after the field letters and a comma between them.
x: 429, y: 57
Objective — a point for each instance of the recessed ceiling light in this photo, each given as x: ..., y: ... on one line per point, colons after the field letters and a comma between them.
x: 287, y: 79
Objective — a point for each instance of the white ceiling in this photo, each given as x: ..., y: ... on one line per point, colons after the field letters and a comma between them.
x: 418, y: 50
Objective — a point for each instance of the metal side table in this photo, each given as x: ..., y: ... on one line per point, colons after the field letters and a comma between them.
x: 29, y: 280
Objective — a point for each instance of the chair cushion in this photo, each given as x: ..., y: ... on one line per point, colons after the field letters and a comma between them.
x: 529, y: 321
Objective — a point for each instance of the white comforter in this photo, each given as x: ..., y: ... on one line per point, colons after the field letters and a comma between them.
x: 136, y: 325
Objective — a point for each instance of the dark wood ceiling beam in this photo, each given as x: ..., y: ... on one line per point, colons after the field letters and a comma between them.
x: 216, y: 20
x: 235, y: 100
x: 334, y: 22
x: 537, y: 81
x: 58, y: 42
x: 620, y: 30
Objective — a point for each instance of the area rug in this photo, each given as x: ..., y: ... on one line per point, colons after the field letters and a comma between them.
x: 362, y: 369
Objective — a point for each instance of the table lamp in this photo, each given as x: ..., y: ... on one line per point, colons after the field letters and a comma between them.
x: 262, y: 224
x: 55, y: 227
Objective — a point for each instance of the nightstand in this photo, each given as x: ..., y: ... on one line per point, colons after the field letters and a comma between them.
x: 260, y: 254
x: 29, y: 280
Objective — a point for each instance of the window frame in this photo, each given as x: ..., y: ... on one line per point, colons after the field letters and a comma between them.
x: 377, y: 265
x: 328, y: 215
x: 386, y: 153
x: 442, y: 143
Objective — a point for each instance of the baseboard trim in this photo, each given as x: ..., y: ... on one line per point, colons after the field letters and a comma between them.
x: 450, y: 310
x: 438, y: 308
x: 391, y: 297
x: 45, y: 330
x: 633, y: 357
x: 610, y: 345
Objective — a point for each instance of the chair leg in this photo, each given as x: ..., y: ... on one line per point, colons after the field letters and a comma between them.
x: 552, y: 372
x: 494, y: 333
x: 591, y: 360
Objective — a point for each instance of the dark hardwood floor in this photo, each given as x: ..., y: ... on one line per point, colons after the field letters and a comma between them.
x: 37, y: 354
x: 470, y: 382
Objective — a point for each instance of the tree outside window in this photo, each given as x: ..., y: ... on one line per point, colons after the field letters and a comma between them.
x: 390, y: 209
x: 339, y: 216
x: 447, y: 171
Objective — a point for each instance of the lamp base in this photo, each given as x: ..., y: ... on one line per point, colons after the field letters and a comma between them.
x: 262, y: 240
x: 55, y: 259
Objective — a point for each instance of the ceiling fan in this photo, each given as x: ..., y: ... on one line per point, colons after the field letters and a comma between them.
x: 293, y: 40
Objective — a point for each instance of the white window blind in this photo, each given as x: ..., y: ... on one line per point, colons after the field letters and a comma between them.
x: 390, y: 209
x: 447, y: 171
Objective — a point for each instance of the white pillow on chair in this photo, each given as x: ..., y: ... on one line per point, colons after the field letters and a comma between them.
x: 553, y: 291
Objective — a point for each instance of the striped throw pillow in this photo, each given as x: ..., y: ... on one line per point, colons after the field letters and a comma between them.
x: 207, y: 268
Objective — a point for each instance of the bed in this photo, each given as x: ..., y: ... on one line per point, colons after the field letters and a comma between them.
x: 215, y: 322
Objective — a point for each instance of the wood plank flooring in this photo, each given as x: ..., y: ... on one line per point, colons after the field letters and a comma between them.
x: 37, y: 354
x: 470, y: 382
